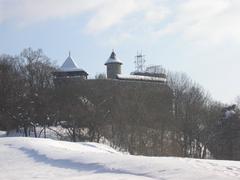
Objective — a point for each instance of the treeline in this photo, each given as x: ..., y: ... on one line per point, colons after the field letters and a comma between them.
x: 202, y: 124
x: 25, y: 83
x: 178, y: 119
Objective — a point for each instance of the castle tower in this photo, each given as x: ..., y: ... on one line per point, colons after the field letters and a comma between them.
x: 113, y: 66
x: 70, y: 69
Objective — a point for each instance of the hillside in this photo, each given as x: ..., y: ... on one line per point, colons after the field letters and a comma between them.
x: 31, y: 158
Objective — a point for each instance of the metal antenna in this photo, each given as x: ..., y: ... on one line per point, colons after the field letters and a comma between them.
x: 139, y: 62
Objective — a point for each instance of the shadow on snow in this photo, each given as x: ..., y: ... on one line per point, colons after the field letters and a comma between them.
x: 68, y: 164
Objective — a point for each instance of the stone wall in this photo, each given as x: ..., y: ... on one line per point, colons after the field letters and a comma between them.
x: 113, y: 69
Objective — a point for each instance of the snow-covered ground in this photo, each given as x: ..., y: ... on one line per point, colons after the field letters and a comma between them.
x: 3, y: 133
x: 33, y: 158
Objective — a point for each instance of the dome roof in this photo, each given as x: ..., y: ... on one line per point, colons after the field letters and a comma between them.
x: 113, y: 59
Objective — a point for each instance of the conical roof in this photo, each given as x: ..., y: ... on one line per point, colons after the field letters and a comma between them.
x: 113, y: 59
x: 70, y: 65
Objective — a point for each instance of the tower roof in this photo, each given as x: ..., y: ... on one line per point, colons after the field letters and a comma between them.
x: 113, y: 59
x: 70, y: 65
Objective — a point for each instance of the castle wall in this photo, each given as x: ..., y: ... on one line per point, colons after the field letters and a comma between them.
x: 149, y: 102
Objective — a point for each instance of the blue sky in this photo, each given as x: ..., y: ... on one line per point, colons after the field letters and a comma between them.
x: 198, y: 37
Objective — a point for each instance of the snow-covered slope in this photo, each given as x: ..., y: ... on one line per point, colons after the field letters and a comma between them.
x: 30, y: 158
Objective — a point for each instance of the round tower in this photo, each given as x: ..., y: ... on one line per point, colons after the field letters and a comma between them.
x: 113, y: 66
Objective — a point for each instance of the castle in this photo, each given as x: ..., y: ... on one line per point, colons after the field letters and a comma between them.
x: 70, y: 69
x: 121, y: 102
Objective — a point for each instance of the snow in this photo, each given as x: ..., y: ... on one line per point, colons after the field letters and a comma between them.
x: 36, y: 158
x: 70, y: 65
x: 229, y: 113
x: 3, y: 133
x: 110, y: 60
x: 52, y: 132
x: 113, y: 59
x: 141, y: 78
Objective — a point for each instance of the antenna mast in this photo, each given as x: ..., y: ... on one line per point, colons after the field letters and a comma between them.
x: 139, y: 62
